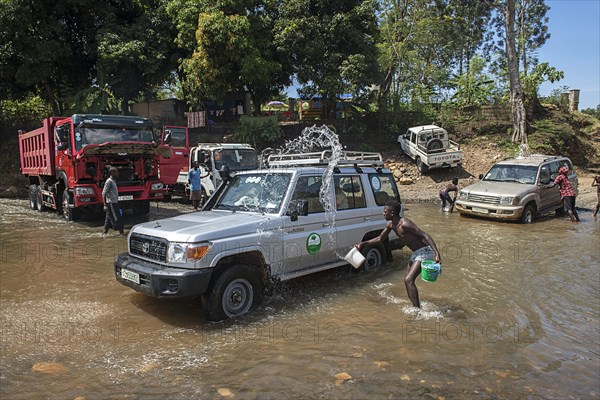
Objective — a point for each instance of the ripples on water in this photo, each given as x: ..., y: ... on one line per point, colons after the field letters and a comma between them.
x: 514, y: 315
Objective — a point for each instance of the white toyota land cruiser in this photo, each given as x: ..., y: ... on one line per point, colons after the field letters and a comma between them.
x: 298, y: 217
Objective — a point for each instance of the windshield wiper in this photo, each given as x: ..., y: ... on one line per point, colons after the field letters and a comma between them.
x: 226, y: 207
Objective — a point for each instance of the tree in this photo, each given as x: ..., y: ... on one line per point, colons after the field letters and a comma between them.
x: 136, y: 52
x: 516, y: 91
x: 330, y: 45
x: 473, y: 87
x: 424, y: 43
x: 233, y: 50
x: 48, y: 48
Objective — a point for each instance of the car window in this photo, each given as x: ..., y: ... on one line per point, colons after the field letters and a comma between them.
x: 554, y: 166
x: 384, y: 188
x: 545, y: 174
x: 349, y: 192
x: 308, y: 188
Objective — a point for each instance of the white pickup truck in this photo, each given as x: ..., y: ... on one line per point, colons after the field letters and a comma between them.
x: 430, y: 147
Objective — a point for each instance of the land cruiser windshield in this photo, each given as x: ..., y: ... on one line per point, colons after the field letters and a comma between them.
x: 103, y: 134
x: 255, y: 192
x: 512, y: 173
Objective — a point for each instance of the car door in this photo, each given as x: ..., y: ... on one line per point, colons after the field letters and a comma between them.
x: 353, y: 218
x: 310, y: 241
x: 549, y: 197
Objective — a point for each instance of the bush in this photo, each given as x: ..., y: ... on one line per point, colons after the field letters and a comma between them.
x: 260, y: 132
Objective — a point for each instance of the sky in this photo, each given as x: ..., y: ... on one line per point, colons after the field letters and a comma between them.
x: 574, y: 48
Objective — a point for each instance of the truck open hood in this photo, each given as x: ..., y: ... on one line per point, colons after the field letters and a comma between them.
x: 129, y: 148
x: 206, y: 225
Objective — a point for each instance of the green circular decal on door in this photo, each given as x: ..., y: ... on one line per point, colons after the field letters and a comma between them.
x: 313, y: 243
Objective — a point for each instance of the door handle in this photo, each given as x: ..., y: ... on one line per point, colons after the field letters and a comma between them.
x: 367, y: 218
x: 326, y: 224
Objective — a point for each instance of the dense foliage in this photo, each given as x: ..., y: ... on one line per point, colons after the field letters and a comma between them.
x: 98, y: 56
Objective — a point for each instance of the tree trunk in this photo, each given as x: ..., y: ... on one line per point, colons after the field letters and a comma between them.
x: 56, y: 109
x: 516, y: 91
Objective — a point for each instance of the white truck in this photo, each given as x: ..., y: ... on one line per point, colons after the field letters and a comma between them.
x: 430, y: 147
x: 298, y: 217
x: 211, y: 157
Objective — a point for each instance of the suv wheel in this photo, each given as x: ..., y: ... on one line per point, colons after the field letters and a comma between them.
x: 528, y: 214
x: 234, y: 293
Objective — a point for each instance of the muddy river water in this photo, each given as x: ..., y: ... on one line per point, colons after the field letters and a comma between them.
x: 514, y: 315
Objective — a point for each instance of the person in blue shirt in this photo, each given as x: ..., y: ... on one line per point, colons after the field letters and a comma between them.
x: 194, y: 177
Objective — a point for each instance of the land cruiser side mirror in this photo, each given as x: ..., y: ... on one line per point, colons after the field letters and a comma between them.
x: 544, y: 181
x: 299, y: 208
x: 480, y: 176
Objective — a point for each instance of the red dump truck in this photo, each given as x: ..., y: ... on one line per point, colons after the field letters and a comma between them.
x: 67, y: 162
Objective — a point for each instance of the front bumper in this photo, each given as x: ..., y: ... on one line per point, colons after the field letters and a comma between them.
x: 158, y: 281
x: 494, y: 211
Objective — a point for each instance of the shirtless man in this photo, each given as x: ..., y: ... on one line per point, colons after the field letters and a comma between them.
x: 413, y: 237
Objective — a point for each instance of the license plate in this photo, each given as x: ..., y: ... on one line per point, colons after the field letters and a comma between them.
x: 130, y: 276
x: 126, y: 197
x: 480, y: 210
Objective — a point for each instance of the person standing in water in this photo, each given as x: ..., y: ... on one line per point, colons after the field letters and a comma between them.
x: 567, y: 193
x: 445, y: 194
x: 194, y: 176
x: 422, y: 245
x: 110, y: 196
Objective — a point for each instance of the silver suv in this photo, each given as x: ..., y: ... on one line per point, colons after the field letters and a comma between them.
x: 515, y: 189
x: 298, y: 217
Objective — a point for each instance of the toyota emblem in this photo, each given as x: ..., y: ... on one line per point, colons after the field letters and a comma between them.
x: 146, y: 248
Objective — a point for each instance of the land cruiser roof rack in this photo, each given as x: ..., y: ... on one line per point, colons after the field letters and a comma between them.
x: 347, y: 158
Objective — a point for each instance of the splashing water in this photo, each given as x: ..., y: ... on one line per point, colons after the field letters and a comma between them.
x: 319, y: 138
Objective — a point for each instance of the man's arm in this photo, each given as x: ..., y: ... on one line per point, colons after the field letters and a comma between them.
x: 376, y: 240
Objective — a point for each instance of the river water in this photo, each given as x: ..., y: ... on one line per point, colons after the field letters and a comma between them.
x: 515, y: 314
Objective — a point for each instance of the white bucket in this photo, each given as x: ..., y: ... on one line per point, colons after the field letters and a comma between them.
x: 355, y: 258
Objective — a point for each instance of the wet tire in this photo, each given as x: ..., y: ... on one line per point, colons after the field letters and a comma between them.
x: 69, y: 213
x: 374, y: 257
x: 33, y: 196
x: 234, y: 293
x: 421, y: 166
x: 528, y: 214
x: 39, y: 200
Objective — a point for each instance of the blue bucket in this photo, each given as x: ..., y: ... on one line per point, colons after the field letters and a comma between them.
x: 430, y: 270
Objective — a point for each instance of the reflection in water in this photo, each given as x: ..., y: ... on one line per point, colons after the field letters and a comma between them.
x: 514, y: 315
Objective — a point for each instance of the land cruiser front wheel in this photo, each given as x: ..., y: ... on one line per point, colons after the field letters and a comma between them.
x: 233, y: 293
x: 528, y: 214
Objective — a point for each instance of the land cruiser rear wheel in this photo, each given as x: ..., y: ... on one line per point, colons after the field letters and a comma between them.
x: 373, y: 257
x: 423, y: 168
x: 233, y: 293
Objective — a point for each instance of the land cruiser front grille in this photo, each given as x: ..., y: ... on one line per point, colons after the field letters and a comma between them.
x: 480, y: 198
x: 148, y: 247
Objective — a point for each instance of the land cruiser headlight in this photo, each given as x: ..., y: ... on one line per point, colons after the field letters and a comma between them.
x: 184, y: 252
x: 84, y: 190
x: 509, y: 200
x: 156, y: 186
x: 463, y: 195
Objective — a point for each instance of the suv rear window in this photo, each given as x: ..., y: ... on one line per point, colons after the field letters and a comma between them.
x: 384, y: 188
